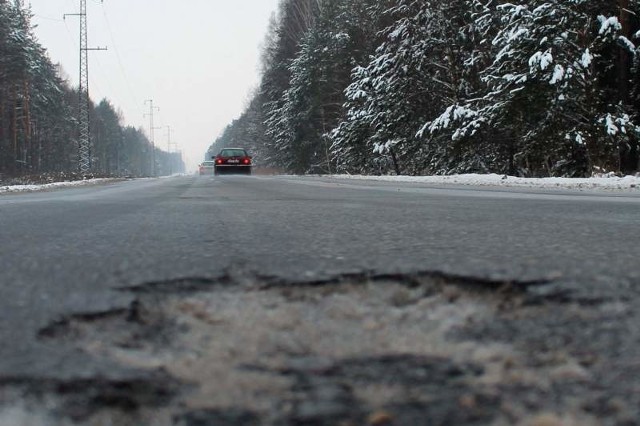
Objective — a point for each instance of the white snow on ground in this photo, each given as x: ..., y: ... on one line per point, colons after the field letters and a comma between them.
x: 606, y: 183
x: 31, y: 188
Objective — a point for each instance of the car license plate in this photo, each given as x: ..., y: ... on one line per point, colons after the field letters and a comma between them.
x: 233, y: 161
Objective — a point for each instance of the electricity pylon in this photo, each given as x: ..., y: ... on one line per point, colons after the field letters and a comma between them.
x: 83, y: 91
x: 152, y: 130
x: 169, y: 145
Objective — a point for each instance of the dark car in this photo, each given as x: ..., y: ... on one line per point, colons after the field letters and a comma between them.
x: 233, y: 160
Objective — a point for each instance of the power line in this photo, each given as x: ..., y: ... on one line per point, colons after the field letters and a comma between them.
x: 119, y: 58
x: 74, y: 42
x: 47, y: 18
x: 113, y: 94
x: 71, y: 38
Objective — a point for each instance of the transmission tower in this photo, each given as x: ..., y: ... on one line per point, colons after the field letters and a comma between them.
x: 171, y: 154
x: 83, y: 91
x: 152, y: 130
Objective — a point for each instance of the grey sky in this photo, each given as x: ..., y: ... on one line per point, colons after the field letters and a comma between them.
x: 197, y: 60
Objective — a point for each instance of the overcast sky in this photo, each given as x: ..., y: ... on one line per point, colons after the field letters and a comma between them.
x: 197, y: 60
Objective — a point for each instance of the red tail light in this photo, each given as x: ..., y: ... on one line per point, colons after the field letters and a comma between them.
x: 247, y: 161
x: 219, y: 161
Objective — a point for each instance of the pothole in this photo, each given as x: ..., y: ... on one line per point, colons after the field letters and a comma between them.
x: 355, y: 349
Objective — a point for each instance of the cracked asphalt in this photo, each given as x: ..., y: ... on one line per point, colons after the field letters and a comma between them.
x: 286, y: 301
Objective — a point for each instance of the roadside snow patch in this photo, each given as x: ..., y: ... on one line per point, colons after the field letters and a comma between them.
x: 31, y: 188
x: 608, y: 183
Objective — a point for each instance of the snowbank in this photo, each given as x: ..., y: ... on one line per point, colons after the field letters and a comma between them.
x: 608, y: 183
x: 30, y: 188
x: 605, y: 183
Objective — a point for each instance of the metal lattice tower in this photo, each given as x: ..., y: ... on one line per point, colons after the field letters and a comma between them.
x: 83, y: 90
x: 84, y: 141
x: 152, y: 129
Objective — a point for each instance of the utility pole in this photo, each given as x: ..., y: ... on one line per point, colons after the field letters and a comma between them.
x: 179, y: 152
x: 168, y: 139
x: 152, y: 130
x: 83, y: 90
x: 169, y: 145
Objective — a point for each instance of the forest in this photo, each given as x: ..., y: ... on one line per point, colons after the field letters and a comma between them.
x: 38, y: 115
x: 526, y: 88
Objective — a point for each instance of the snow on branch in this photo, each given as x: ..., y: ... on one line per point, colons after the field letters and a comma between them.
x: 609, y: 25
x: 540, y: 59
x: 384, y: 148
x: 558, y: 74
x: 587, y: 59
x: 627, y: 44
x: 616, y: 124
x: 453, y: 113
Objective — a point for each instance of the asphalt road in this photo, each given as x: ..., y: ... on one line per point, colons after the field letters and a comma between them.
x: 64, y: 252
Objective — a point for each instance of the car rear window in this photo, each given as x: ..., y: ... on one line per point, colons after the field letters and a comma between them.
x: 233, y: 153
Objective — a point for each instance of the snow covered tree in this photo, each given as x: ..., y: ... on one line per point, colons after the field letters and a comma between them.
x: 294, y: 19
x: 313, y: 104
x: 107, y: 138
x: 543, y: 108
x: 16, y: 60
x: 418, y: 69
x: 38, y: 129
x: 542, y: 87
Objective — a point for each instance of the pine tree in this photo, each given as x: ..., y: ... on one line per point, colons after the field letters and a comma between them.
x: 282, y: 46
x: 417, y: 69
x: 542, y: 106
x: 312, y: 104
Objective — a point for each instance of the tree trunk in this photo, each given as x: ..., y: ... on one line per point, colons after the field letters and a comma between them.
x: 624, y: 57
x: 14, y: 127
x: 26, y: 117
x: 395, y: 161
x: 629, y: 155
x: 3, y: 140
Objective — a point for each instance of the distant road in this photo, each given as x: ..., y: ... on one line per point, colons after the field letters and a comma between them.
x: 134, y: 231
x: 64, y: 251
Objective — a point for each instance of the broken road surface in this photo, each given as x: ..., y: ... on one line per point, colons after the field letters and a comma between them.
x: 294, y: 301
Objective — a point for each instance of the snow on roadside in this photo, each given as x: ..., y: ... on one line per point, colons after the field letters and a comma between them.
x: 31, y: 188
x: 606, y: 183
